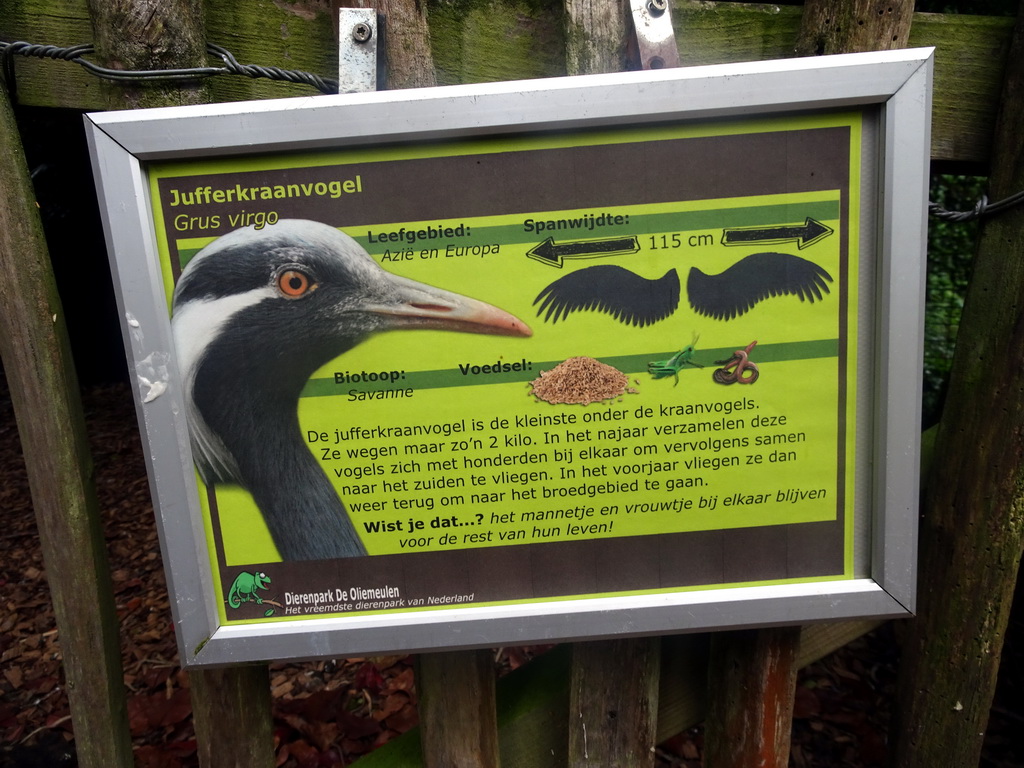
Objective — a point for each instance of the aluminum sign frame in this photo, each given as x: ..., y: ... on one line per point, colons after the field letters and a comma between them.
x: 894, y: 89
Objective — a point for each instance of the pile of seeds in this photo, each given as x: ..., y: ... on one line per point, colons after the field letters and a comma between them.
x: 580, y: 380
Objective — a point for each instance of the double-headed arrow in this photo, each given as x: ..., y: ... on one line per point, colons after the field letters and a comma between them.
x: 808, y: 233
x: 553, y: 254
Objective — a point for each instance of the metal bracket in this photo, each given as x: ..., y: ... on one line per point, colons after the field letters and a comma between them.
x: 360, y: 44
x: 655, y: 36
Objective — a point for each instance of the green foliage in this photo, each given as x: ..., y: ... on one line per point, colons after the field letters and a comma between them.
x: 950, y: 255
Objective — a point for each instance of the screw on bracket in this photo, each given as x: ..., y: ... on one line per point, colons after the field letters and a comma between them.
x: 363, y: 32
x: 360, y: 49
x: 655, y: 34
x: 657, y: 7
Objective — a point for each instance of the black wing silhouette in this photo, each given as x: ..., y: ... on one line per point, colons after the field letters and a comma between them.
x: 753, y: 279
x: 624, y: 295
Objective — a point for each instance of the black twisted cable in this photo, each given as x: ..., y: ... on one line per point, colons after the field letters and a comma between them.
x: 981, y: 208
x: 274, y: 73
x: 75, y: 55
x: 324, y: 85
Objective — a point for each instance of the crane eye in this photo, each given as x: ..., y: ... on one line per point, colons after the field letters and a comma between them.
x: 294, y: 283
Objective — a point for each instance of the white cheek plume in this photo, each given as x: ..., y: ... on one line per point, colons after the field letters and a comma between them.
x: 197, y: 323
x: 195, y: 326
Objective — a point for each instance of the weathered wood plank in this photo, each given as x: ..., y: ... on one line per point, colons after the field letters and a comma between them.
x: 533, y: 700
x: 752, y: 677
x: 231, y: 714
x: 487, y: 40
x: 44, y: 390
x: 970, y: 55
x: 478, y: 41
x: 722, y: 32
x: 596, y: 36
x: 290, y: 35
x: 529, y: 707
x: 972, y: 526
x: 613, y: 702
x: 458, y: 719
x: 46, y: 83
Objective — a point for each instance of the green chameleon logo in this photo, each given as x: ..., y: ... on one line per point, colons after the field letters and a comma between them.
x: 244, y: 587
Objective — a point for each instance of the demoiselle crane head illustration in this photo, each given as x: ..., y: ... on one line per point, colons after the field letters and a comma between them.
x: 255, y: 313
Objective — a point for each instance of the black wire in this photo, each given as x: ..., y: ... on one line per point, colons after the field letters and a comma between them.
x: 274, y: 73
x: 324, y: 85
x: 75, y: 53
x: 981, y: 208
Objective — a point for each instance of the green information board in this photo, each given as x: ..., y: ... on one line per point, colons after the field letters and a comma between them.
x: 711, y: 270
x: 554, y: 377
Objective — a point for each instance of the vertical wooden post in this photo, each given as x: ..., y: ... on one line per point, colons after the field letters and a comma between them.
x: 458, y: 715
x: 230, y: 706
x: 44, y: 389
x: 150, y: 34
x: 231, y: 713
x: 754, y: 672
x: 972, y: 527
x: 751, y: 679
x: 850, y: 26
x: 596, y: 36
x: 613, y: 703
x: 614, y: 689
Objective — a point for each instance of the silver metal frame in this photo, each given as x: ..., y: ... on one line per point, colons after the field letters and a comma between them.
x: 898, y: 83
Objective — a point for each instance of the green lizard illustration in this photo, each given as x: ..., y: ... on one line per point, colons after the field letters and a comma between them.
x: 244, y: 587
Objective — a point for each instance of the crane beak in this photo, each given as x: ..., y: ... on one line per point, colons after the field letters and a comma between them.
x: 417, y: 305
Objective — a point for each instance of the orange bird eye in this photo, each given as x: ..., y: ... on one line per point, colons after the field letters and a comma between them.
x: 294, y: 284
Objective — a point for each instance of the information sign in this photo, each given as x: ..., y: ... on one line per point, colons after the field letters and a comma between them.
x: 426, y: 370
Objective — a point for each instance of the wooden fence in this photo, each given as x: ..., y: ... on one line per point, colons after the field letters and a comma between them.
x: 624, y: 695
